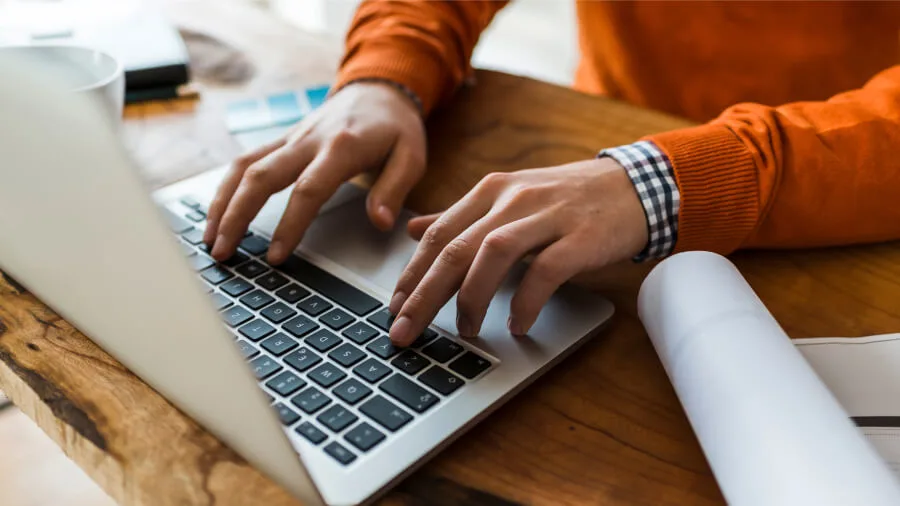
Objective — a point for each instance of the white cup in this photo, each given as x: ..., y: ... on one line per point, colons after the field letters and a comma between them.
x: 80, y: 70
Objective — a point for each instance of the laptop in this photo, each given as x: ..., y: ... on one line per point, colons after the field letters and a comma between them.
x: 290, y: 365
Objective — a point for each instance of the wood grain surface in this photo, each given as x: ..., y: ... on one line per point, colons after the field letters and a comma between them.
x: 604, y: 427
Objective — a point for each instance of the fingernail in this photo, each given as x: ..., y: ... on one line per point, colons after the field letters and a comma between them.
x: 385, y: 215
x: 400, y: 330
x: 463, y: 325
x: 218, y: 247
x: 515, y: 328
x: 276, y: 251
x: 397, y: 302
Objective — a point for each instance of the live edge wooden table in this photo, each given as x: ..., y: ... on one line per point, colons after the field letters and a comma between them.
x: 603, y: 427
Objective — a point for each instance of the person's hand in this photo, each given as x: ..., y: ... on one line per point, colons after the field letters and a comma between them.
x: 576, y: 217
x: 365, y: 126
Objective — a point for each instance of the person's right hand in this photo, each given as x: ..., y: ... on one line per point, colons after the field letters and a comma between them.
x: 363, y: 127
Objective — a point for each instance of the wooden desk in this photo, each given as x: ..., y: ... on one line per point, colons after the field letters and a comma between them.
x: 604, y: 427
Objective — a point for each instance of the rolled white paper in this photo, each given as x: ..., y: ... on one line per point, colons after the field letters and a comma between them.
x: 771, y: 431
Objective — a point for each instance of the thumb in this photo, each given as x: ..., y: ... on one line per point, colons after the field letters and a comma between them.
x: 404, y: 168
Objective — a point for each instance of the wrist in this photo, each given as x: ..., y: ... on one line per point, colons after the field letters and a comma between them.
x: 395, y: 90
x: 631, y: 214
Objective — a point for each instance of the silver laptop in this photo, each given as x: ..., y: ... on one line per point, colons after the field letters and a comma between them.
x: 290, y: 366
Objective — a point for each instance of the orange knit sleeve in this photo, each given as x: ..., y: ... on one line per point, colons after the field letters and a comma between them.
x: 423, y: 45
x: 800, y: 175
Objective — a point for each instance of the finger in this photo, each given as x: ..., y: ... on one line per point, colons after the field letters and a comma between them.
x: 450, y: 224
x: 549, y: 270
x: 229, y: 185
x: 314, y: 187
x: 269, y: 175
x: 499, y: 251
x: 403, y: 169
x: 442, y: 279
x: 417, y: 226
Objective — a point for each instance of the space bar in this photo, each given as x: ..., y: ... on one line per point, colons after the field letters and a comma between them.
x: 329, y: 286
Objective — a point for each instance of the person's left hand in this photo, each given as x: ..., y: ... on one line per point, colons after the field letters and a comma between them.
x: 576, y: 217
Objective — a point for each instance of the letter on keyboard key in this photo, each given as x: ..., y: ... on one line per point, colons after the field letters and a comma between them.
x: 327, y: 375
x: 383, y: 347
x: 256, y: 330
x: 279, y: 344
x: 286, y: 414
x: 311, y: 400
x: 256, y: 299
x: 292, y: 293
x: 300, y: 326
x: 351, y: 391
x: 410, y: 362
x: 264, y: 366
x: 408, y: 393
x: 302, y: 359
x: 278, y: 312
x: 323, y: 340
x: 372, y: 370
x: 347, y: 355
x: 286, y: 383
x: 236, y: 315
x: 314, y: 306
x: 236, y: 287
x: 385, y: 412
x: 360, y: 333
x: 337, y: 418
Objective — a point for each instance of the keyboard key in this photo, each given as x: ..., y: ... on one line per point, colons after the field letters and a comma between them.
x: 328, y: 285
x: 286, y: 383
x: 347, y: 355
x: 385, y: 413
x: 408, y: 393
x: 278, y: 312
x: 256, y: 330
x: 383, y: 347
x: 340, y: 454
x: 336, y: 319
x: 300, y: 326
x: 382, y: 319
x: 310, y: 432
x: 287, y: 415
x: 215, y: 275
x: 279, y: 344
x: 311, y: 400
x: 186, y: 249
x: 441, y: 380
x: 237, y: 259
x: 257, y: 299
x: 424, y: 338
x: 196, y: 216
x: 247, y: 349
x: 442, y: 350
x: 470, y: 365
x: 337, y: 418
x: 372, y: 370
x: 236, y: 315
x: 364, y: 437
x: 236, y: 287
x: 264, y: 366
x: 269, y: 398
x: 292, y: 293
x: 176, y: 223
x: 251, y: 269
x: 360, y: 333
x: 351, y: 391
x: 194, y: 236
x: 326, y: 375
x: 302, y: 359
x: 220, y: 301
x: 271, y: 281
x: 200, y: 262
x: 255, y: 245
x: 323, y: 340
x: 410, y: 362
x: 191, y: 202
x: 314, y: 306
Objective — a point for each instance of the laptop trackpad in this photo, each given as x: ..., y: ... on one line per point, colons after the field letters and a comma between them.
x: 345, y: 236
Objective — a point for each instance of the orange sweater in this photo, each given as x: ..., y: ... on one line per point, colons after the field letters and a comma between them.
x: 785, y: 167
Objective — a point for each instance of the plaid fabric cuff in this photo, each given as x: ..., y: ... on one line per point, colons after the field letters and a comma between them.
x: 402, y: 89
x: 654, y: 180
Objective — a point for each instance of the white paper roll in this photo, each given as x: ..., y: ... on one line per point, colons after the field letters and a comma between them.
x: 772, y: 432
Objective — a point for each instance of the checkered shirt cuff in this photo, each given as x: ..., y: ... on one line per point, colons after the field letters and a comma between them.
x: 654, y: 180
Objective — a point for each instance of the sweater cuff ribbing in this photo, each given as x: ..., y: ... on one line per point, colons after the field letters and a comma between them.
x: 718, y: 182
x: 399, y: 62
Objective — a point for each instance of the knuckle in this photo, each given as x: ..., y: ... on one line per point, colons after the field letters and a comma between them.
x: 494, y: 180
x: 243, y: 161
x: 256, y: 175
x: 500, y: 243
x: 434, y: 235
x: 308, y: 188
x: 344, y: 138
x: 456, y: 253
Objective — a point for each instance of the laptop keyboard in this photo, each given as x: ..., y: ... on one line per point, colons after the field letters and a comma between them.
x: 319, y: 347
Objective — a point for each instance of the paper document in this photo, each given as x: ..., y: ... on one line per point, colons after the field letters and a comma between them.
x: 772, y: 431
